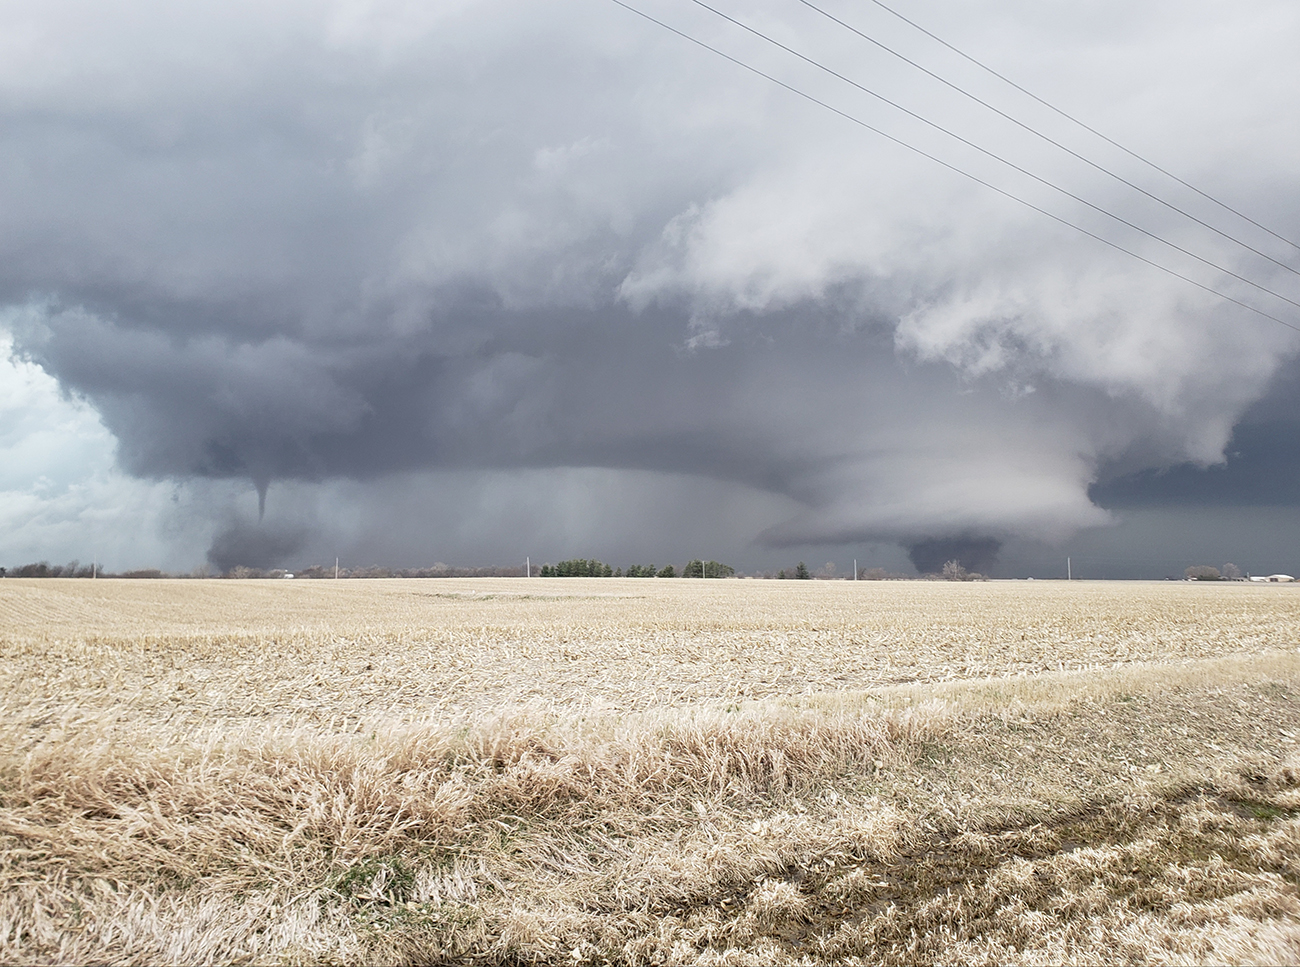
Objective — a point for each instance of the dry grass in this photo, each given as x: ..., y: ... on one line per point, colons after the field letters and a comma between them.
x: 648, y: 772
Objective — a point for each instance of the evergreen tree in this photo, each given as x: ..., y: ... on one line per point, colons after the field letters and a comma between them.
x: 581, y: 567
x: 707, y: 569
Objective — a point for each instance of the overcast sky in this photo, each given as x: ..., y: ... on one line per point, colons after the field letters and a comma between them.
x: 468, y: 281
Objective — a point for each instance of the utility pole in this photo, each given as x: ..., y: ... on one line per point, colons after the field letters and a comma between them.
x: 1069, y: 574
x: 336, y: 569
x: 855, y: 569
x: 528, y: 566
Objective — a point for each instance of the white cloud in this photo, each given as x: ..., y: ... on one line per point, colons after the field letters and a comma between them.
x: 61, y: 495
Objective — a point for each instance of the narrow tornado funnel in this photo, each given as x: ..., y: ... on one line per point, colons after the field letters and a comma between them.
x: 261, y: 482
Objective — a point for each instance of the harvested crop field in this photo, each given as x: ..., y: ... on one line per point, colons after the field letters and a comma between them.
x: 648, y: 771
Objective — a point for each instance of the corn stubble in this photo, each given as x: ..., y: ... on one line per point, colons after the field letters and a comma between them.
x: 605, y: 771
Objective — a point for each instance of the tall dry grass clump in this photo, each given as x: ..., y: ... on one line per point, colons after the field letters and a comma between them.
x: 288, y: 844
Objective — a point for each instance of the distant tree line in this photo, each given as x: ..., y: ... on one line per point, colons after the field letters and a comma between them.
x: 73, y: 569
x: 438, y: 570
x: 578, y: 567
x: 584, y: 568
x: 648, y: 571
x: 575, y: 567
x: 45, y: 569
x: 318, y: 571
x: 707, y: 569
x: 880, y: 574
x: 1203, y: 572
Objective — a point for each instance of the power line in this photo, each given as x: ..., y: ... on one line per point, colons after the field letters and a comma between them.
x: 1050, y: 140
x: 951, y: 167
x: 990, y: 154
x: 1070, y: 117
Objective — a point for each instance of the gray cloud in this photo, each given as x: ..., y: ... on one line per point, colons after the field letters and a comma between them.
x: 362, y: 242
x: 977, y: 554
x: 1260, y: 469
x: 241, y: 544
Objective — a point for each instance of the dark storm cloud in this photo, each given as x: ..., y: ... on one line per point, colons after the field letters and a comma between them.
x: 796, y: 406
x: 978, y: 554
x: 241, y: 544
x: 305, y: 243
x: 1261, y: 466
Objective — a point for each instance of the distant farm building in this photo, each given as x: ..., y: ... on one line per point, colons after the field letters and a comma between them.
x: 1273, y: 579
